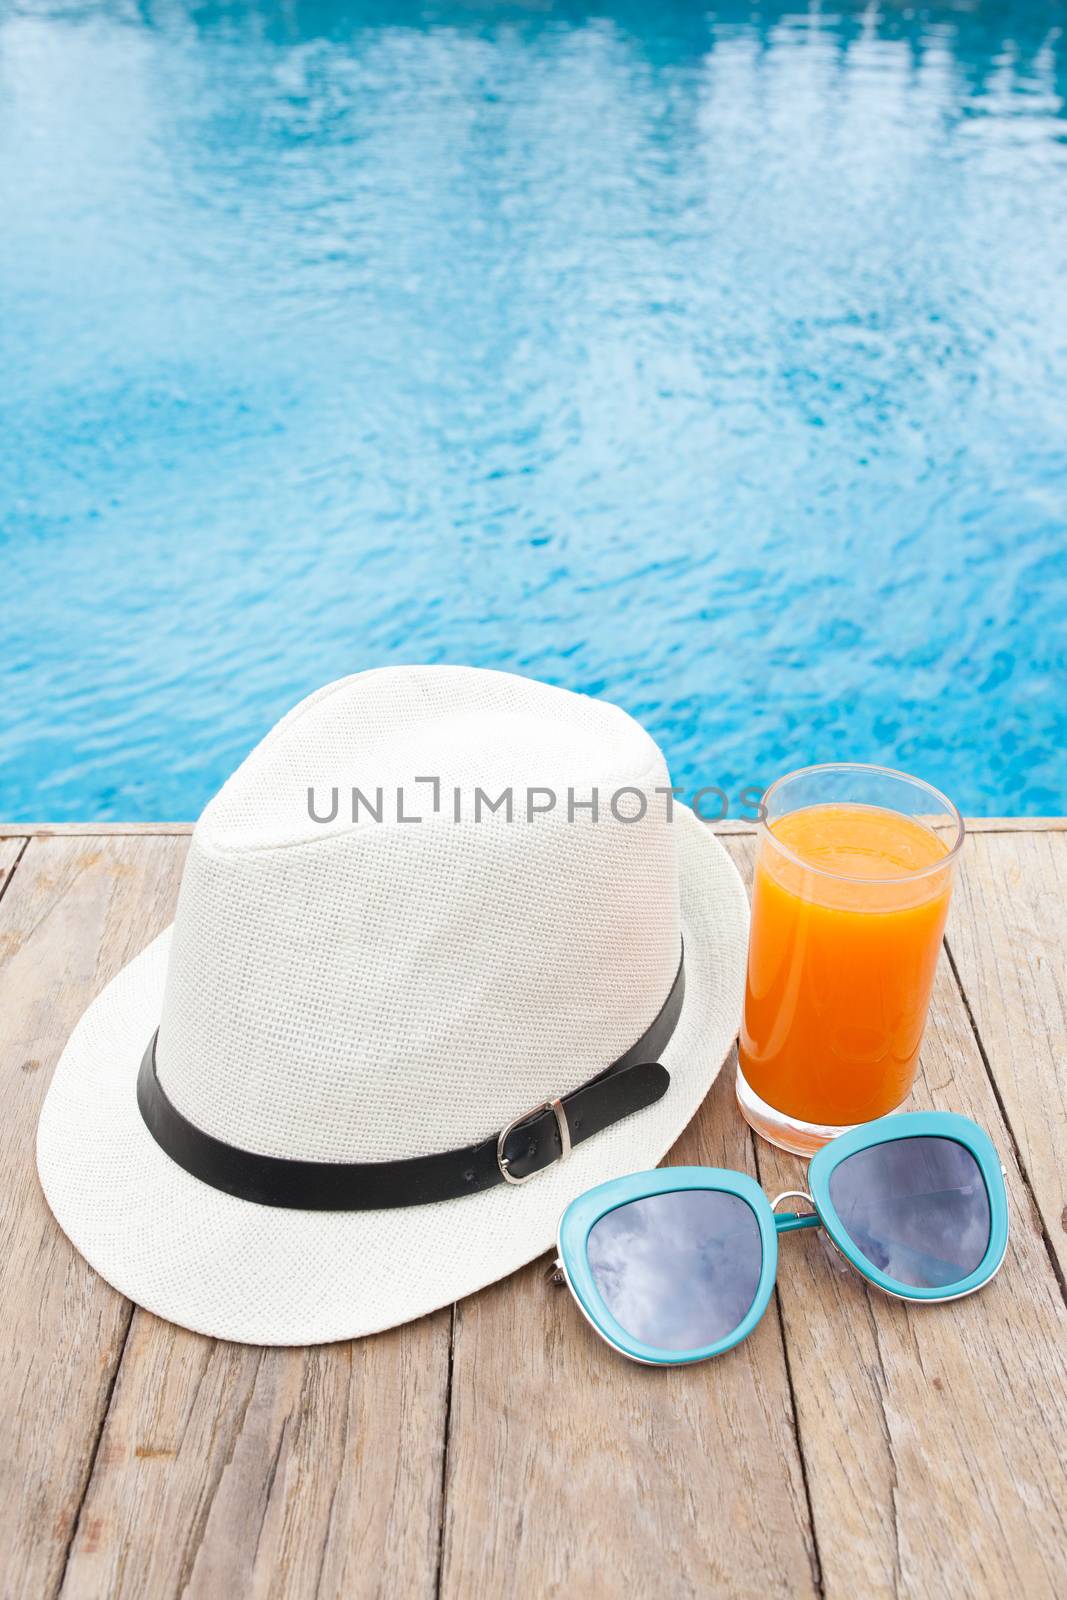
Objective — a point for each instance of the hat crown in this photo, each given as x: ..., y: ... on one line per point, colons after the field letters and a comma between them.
x: 377, y: 988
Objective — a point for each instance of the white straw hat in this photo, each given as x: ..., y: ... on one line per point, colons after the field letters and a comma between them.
x: 352, y: 1013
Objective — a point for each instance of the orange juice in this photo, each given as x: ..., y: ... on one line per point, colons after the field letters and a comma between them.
x: 848, y: 910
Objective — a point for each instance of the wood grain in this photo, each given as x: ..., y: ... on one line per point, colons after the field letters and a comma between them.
x: 1008, y: 940
x: 932, y: 1435
x: 574, y: 1472
x: 276, y: 1474
x: 74, y: 912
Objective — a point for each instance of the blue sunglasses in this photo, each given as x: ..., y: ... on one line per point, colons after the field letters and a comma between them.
x: 677, y: 1265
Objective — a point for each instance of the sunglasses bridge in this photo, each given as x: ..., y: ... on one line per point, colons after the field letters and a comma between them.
x: 790, y: 1221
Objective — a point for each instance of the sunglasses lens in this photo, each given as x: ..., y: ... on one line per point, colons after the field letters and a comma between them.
x: 916, y: 1208
x: 678, y: 1271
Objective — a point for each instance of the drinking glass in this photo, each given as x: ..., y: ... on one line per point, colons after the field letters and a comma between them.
x: 853, y: 877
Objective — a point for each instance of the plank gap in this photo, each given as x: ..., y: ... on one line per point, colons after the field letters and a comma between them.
x: 445, y: 1436
x: 1019, y: 825
x: 90, y: 1468
x: 95, y: 830
x: 1024, y: 1171
x: 816, y: 1558
x: 729, y: 827
x: 5, y: 884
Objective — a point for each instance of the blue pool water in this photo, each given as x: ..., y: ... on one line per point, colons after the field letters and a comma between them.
x: 710, y: 359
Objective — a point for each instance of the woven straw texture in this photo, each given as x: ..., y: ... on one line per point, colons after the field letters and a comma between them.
x: 362, y: 991
x: 368, y: 991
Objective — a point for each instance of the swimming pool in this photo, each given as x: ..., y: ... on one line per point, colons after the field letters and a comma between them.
x: 713, y: 360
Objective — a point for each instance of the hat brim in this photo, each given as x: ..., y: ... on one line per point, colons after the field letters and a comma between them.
x: 262, y: 1275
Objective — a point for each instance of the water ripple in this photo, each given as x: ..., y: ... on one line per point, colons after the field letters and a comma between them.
x: 713, y: 362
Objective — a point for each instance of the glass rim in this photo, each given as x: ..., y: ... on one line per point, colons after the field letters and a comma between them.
x: 947, y: 860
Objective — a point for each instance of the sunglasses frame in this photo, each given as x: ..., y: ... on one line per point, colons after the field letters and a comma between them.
x: 582, y: 1215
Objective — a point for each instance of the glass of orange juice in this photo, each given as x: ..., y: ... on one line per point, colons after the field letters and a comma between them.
x: 853, y: 877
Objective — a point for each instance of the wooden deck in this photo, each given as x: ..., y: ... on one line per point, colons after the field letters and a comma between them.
x: 852, y: 1447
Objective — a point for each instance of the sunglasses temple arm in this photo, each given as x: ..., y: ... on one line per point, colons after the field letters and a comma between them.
x: 791, y: 1221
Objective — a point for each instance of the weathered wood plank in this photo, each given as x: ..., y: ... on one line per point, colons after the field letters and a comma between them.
x: 730, y: 825
x: 92, y: 830
x: 574, y: 1472
x: 1016, y: 824
x: 74, y: 912
x: 932, y: 1436
x: 274, y: 1473
x: 1008, y: 939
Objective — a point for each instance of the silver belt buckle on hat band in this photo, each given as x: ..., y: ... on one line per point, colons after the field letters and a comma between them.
x: 556, y: 1107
